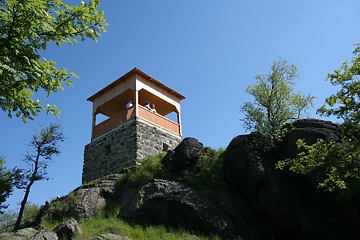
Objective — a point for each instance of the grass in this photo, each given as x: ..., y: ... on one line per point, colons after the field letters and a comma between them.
x: 150, y: 168
x: 110, y: 210
x: 107, y: 222
x: 100, y: 225
x: 210, y: 172
x: 64, y: 203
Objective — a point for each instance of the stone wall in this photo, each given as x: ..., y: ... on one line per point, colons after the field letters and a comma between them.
x: 123, y: 146
x: 152, y: 139
x: 110, y: 152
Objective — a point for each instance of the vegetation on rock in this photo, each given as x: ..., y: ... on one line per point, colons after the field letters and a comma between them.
x: 338, y: 163
x: 210, y: 170
x: 147, y: 170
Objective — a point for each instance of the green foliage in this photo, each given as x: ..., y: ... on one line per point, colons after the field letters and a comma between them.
x: 337, y: 169
x: 6, y: 185
x: 8, y: 179
x: 26, y: 28
x: 275, y: 101
x: 210, y: 170
x: 64, y: 203
x: 31, y: 211
x: 8, y: 218
x: 149, y: 168
x: 337, y: 163
x: 49, y: 223
x: 58, y: 208
x: 345, y: 104
x: 92, y: 183
x: 110, y: 210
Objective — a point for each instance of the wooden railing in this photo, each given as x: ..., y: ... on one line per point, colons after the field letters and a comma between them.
x: 113, y: 122
x: 127, y: 114
x: 159, y: 120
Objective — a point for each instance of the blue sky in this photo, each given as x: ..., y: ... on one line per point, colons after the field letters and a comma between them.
x: 207, y: 50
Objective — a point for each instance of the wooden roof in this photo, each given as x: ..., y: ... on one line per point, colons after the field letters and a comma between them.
x: 131, y: 72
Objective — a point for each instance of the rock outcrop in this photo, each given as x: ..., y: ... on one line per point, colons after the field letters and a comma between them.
x: 185, y: 155
x: 25, y: 233
x: 67, y: 229
x: 253, y: 200
x: 310, y: 130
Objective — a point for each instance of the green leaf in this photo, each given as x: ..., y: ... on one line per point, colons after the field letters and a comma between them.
x: 23, y: 70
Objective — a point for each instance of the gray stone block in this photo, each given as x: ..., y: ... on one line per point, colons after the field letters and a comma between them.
x: 123, y: 146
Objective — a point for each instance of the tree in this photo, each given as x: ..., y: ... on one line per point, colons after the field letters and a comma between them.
x: 275, y: 101
x: 338, y: 164
x: 44, y: 146
x: 345, y: 104
x: 26, y: 28
x: 8, y: 179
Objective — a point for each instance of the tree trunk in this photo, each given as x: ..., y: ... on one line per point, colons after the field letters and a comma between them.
x: 27, y: 191
x: 22, y: 207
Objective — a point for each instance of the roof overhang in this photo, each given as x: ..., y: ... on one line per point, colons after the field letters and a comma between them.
x: 130, y: 73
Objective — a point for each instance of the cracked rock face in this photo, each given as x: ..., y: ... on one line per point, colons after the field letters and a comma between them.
x: 176, y: 204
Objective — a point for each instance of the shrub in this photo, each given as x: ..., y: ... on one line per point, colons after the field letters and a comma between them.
x: 64, y: 203
x: 110, y: 210
x: 150, y: 168
x: 210, y: 170
x: 58, y: 209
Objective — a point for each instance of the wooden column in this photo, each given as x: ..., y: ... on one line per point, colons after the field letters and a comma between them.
x: 136, y: 109
x: 93, y: 125
x: 179, y: 122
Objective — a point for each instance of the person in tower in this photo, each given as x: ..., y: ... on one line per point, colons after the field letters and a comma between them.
x: 147, y: 106
x: 153, y: 108
x: 129, y: 104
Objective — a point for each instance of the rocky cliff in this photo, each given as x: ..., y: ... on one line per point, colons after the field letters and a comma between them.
x: 252, y: 200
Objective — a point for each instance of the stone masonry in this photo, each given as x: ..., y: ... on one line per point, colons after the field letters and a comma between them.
x: 123, y: 147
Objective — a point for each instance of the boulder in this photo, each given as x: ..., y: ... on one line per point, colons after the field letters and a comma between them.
x: 24, y: 233
x: 243, y: 162
x: 184, y: 155
x: 44, y: 235
x: 93, y: 196
x: 252, y: 193
x: 271, y: 201
x: 310, y: 130
x: 67, y: 229
x: 175, y: 204
x: 111, y: 236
